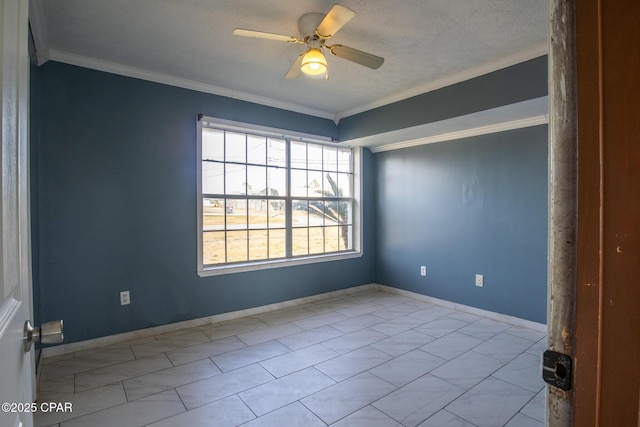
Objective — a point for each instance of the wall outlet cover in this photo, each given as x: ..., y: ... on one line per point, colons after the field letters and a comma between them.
x: 125, y: 298
x: 479, y: 280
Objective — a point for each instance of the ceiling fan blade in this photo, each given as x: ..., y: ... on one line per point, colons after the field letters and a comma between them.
x: 295, y: 71
x: 357, y: 56
x: 262, y: 35
x: 337, y: 17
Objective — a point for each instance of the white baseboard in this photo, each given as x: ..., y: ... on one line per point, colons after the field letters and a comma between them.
x: 512, y: 320
x: 156, y: 330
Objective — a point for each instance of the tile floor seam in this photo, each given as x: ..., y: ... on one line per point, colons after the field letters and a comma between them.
x: 517, y: 385
x: 121, y: 381
x: 214, y: 363
x: 503, y: 364
x: 249, y: 407
x: 297, y: 400
x: 166, y: 389
x: 310, y: 410
x: 458, y: 416
x: 347, y: 415
x: 521, y: 415
x: 468, y: 391
x: 102, y: 409
x: 124, y: 389
x: 153, y: 394
x: 466, y: 420
x: 535, y: 393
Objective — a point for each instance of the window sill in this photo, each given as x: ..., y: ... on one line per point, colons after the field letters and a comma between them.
x: 254, y: 266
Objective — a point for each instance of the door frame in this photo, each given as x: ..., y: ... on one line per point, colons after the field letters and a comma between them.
x: 562, y: 199
x: 595, y: 227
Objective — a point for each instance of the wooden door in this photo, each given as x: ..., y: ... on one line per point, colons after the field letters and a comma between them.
x: 607, y: 344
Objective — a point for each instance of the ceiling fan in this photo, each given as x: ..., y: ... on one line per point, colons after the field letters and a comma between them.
x: 315, y: 29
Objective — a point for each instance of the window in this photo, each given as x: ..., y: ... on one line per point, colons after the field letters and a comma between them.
x: 269, y: 199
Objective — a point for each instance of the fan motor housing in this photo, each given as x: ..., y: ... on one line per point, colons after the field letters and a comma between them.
x: 308, y: 23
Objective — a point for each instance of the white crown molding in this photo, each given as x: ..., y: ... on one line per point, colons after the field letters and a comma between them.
x: 481, y: 130
x: 138, y: 73
x: 124, y: 70
x: 38, y: 31
x: 489, y: 67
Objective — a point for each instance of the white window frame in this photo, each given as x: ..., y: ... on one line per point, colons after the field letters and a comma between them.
x: 355, y: 252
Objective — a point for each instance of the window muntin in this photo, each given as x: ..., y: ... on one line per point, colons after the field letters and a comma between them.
x: 267, y: 198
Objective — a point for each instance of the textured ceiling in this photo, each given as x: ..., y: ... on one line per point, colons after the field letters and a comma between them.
x: 190, y: 43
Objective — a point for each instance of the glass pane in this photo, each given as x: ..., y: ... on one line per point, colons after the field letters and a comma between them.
x: 276, y: 213
x: 330, y: 185
x: 330, y: 157
x: 236, y: 246
x: 212, y: 144
x: 236, y: 147
x: 277, y: 155
x: 236, y: 179
x: 314, y: 183
x: 337, y: 212
x: 300, y: 214
x: 332, y: 213
x: 256, y: 180
x: 213, y: 214
x: 298, y: 155
x: 213, y: 247
x: 277, y: 244
x: 316, y: 240
x: 316, y: 213
x: 258, y: 244
x: 277, y: 181
x: 299, y: 183
x: 331, y: 236
x: 315, y: 156
x: 346, y: 212
x: 344, y: 183
x: 344, y: 160
x: 256, y: 149
x: 212, y: 178
x: 345, y: 241
x: 300, y: 243
x: 258, y: 213
x: 236, y: 211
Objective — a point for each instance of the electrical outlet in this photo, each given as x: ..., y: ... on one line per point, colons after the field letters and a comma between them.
x: 125, y: 298
x: 423, y: 270
x: 479, y: 280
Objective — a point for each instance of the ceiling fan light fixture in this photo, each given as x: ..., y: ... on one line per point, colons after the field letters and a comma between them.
x: 314, y: 63
x: 315, y: 29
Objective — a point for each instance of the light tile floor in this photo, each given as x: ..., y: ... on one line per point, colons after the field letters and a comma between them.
x: 367, y: 359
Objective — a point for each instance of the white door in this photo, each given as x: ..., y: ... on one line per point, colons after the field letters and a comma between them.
x: 16, y: 366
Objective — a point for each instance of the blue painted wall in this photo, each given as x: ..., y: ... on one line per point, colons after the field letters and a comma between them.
x: 472, y: 206
x: 520, y: 82
x: 114, y: 176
